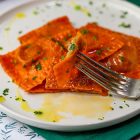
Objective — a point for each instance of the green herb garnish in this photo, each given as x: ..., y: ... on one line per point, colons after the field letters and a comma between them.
x: 89, y: 14
x: 94, y: 37
x: 20, y: 32
x: 127, y: 105
x: 58, y: 4
x: 77, y: 7
x: 34, y: 78
x: 122, y: 58
x: 72, y: 47
x: 23, y: 100
x: 103, y: 5
x: 38, y: 52
x: 98, y: 52
x: 1, y: 48
x: 35, y: 12
x: 62, y: 57
x: 45, y: 58
x: 121, y: 107
x: 38, y: 112
x: 110, y: 95
x: 28, y: 46
x: 38, y: 66
x: 124, y: 14
x: 5, y: 91
x: 95, y: 23
x: 67, y: 37
x: 100, y: 12
x: 112, y: 108
x: 101, y: 118
x: 7, y: 29
x: 33, y: 60
x: 125, y: 25
x: 90, y: 3
x: 17, y: 99
x: 84, y: 31
x: 58, y: 43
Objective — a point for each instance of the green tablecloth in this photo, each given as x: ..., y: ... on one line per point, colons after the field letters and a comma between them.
x: 122, y: 131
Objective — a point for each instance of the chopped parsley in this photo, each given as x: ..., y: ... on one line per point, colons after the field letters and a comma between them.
x: 95, y: 23
x: 33, y: 60
x: 67, y: 37
x: 35, y: 12
x: 100, y: 12
x: 58, y: 4
x: 23, y: 100
x: 38, y: 66
x: 5, y: 91
x: 98, y: 52
x: 84, y: 31
x: 45, y: 58
x: 124, y: 14
x: 127, y: 105
x: 7, y: 29
x: 121, y: 107
x: 38, y: 112
x: 101, y: 118
x: 72, y: 47
x: 112, y: 108
x: 1, y: 48
x: 17, y: 99
x: 34, y: 78
x: 77, y: 7
x: 20, y: 32
x: 122, y: 58
x: 38, y: 52
x: 103, y: 5
x: 90, y: 3
x: 62, y: 57
x: 28, y: 46
x: 110, y: 95
x: 125, y: 25
x: 58, y: 43
x: 89, y: 14
x: 94, y: 37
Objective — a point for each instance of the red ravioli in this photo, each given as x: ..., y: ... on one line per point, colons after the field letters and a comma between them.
x: 45, y: 62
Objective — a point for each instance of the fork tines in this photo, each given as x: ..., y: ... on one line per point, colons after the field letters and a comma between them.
x: 102, y: 75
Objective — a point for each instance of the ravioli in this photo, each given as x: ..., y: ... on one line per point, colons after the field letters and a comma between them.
x: 45, y: 61
x: 49, y: 30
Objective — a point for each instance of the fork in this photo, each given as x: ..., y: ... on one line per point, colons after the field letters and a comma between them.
x: 110, y: 80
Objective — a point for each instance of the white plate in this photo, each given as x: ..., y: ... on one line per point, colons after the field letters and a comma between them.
x: 36, y: 13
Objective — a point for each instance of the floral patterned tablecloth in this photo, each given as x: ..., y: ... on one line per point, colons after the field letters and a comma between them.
x: 10, y: 129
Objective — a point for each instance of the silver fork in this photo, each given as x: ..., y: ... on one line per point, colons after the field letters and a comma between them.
x: 110, y: 80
